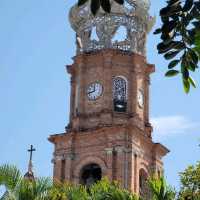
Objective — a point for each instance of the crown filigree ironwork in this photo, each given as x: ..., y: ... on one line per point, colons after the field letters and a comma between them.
x: 130, y: 21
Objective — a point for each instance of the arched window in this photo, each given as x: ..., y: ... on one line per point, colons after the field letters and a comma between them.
x: 120, y: 94
x: 90, y: 174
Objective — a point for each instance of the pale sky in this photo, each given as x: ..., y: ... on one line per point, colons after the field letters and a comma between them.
x: 36, y: 42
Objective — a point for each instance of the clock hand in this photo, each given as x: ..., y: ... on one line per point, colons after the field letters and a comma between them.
x: 92, y: 91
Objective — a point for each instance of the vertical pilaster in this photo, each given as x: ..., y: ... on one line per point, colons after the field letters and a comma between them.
x: 134, y: 84
x: 107, y: 81
x: 136, y: 173
x: 131, y: 90
x: 68, y: 169
x: 81, y: 75
x: 146, y: 99
x: 109, y: 161
x: 120, y: 171
x: 129, y: 169
x: 72, y: 98
x: 57, y: 168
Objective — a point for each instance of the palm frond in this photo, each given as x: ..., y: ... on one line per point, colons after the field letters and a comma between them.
x: 9, y: 176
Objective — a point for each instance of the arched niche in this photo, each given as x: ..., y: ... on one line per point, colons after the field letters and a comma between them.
x: 87, y: 160
x: 90, y: 174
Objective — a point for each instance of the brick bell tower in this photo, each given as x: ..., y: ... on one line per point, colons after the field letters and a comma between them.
x: 109, y: 133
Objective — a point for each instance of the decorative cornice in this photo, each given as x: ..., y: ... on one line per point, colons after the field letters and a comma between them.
x: 63, y: 156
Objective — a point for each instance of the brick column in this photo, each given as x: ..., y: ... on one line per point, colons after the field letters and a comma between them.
x: 68, y: 170
x: 146, y: 99
x: 109, y: 162
x: 80, y: 64
x: 134, y: 84
x: 129, y: 169
x: 107, y: 70
x: 57, y: 160
x: 131, y: 85
x: 72, y: 98
x: 120, y: 172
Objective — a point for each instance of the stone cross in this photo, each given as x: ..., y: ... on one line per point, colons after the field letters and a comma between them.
x: 31, y: 152
x: 29, y: 175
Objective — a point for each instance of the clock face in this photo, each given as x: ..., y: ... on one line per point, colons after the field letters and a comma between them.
x: 140, y: 98
x: 94, y: 91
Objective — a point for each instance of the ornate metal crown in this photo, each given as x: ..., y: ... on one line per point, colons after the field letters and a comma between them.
x: 125, y: 28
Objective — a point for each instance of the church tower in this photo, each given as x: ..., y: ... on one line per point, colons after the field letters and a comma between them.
x: 109, y: 133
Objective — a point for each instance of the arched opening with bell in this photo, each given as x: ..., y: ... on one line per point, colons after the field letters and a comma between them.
x: 90, y: 174
x: 120, y: 94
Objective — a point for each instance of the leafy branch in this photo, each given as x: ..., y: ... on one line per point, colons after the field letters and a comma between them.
x: 180, y: 35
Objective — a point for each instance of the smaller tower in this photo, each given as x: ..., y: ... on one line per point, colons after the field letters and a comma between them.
x: 29, y: 174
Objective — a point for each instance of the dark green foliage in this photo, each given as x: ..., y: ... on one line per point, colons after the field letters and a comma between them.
x: 171, y: 73
x: 190, y: 183
x: 120, y: 1
x: 105, y: 4
x: 81, y: 2
x: 180, y: 35
x: 18, y: 188
x: 96, y: 4
x: 173, y: 64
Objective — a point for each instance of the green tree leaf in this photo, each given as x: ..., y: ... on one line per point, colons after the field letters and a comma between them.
x: 169, y: 26
x: 157, y: 31
x: 95, y: 5
x: 119, y: 1
x: 193, y: 56
x: 81, y: 2
x: 171, y: 73
x: 192, y: 82
x: 185, y: 73
x: 191, y: 66
x: 197, y: 39
x: 179, y: 45
x: 186, y: 85
x: 171, y: 54
x: 173, y: 64
x: 188, y: 5
x: 105, y: 4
